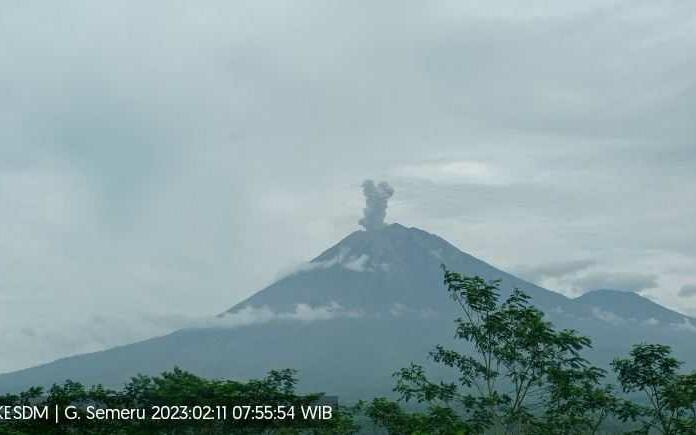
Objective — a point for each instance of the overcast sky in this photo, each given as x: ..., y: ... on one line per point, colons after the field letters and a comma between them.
x: 160, y: 161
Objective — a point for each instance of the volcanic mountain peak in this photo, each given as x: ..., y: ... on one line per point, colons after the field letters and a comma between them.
x: 393, y: 244
x: 375, y: 270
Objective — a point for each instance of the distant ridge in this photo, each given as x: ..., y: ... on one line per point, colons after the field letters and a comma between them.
x: 630, y: 305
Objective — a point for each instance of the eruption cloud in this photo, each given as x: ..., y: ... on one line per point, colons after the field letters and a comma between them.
x: 376, y: 199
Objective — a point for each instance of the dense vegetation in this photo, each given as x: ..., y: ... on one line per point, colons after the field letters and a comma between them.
x: 522, y: 376
x: 204, y: 398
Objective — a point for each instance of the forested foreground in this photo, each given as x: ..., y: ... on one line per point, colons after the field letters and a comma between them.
x: 523, y: 377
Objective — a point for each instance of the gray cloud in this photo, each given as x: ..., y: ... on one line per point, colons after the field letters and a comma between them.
x: 688, y: 290
x: 174, y: 158
x: 558, y: 269
x: 255, y: 315
x: 632, y: 282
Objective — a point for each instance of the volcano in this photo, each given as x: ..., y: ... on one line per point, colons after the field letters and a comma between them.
x: 348, y: 319
x: 376, y: 271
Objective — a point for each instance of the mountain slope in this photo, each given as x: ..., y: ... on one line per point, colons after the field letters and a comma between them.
x: 631, y: 307
x: 374, y: 270
x: 347, y: 320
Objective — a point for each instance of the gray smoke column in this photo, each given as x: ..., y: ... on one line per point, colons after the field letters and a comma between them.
x: 376, y: 198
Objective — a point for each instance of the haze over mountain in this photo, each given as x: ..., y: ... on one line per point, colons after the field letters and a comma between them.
x: 365, y: 307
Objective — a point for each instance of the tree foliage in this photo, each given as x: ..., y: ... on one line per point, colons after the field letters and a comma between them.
x: 438, y: 420
x: 671, y: 397
x: 522, y: 376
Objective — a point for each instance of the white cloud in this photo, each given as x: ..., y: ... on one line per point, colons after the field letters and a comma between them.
x: 399, y: 310
x: 686, y: 325
x: 354, y: 263
x: 358, y: 264
x: 555, y: 270
x: 257, y: 315
x: 626, y: 281
x: 453, y: 172
x: 607, y: 316
x: 312, y: 265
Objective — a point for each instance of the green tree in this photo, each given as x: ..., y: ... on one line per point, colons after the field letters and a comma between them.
x: 682, y: 395
x: 519, y: 364
x: 437, y: 420
x: 177, y: 388
x: 577, y: 402
x: 671, y: 397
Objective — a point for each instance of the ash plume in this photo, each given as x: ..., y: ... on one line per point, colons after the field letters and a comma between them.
x: 376, y: 199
